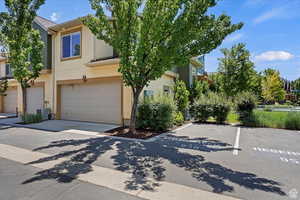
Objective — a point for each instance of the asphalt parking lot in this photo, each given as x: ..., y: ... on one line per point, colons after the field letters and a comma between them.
x: 259, y: 164
x: 266, y: 166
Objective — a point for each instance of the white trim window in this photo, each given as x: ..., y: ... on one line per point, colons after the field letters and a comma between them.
x: 71, y: 45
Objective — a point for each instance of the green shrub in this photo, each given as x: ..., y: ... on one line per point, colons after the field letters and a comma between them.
x: 181, y: 96
x: 178, y: 118
x: 198, y: 88
x: 31, y: 118
x: 245, y: 104
x: 292, y: 121
x: 211, y: 105
x: 156, y: 114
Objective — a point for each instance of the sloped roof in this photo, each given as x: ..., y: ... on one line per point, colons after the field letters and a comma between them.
x: 44, y: 23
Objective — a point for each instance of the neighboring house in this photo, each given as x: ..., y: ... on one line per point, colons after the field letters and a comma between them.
x: 41, y: 88
x: 193, y: 71
x: 81, y: 82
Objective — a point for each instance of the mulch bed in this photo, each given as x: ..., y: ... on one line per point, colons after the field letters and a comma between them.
x: 141, y: 133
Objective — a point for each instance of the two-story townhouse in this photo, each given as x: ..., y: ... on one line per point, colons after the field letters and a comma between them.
x: 39, y: 95
x: 88, y: 86
x: 81, y: 80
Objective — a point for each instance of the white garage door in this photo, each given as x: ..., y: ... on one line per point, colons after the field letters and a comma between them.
x: 35, y: 99
x: 10, y: 103
x: 93, y: 102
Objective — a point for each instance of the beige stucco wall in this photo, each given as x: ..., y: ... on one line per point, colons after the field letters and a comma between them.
x: 101, y: 49
x: 157, y: 85
x: 2, y: 69
x: 76, y: 68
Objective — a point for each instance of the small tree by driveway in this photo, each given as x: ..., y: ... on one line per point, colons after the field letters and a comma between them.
x: 23, y: 44
x: 153, y: 36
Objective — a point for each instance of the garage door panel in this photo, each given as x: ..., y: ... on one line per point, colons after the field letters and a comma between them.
x: 35, y: 99
x: 10, y: 103
x: 95, y: 102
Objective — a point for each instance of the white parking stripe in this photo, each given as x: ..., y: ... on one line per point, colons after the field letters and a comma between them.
x: 237, y: 141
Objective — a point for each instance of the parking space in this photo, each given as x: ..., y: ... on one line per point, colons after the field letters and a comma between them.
x: 266, y: 166
x: 198, y: 156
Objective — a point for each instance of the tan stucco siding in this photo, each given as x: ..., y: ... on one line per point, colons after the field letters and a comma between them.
x: 101, y: 49
x: 158, y: 85
x: 2, y: 69
x: 76, y: 68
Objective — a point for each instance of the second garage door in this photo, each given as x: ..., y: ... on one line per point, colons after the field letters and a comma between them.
x: 93, y: 102
x: 35, y: 99
x: 10, y: 103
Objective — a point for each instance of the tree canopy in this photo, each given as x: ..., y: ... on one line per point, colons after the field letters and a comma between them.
x: 237, y: 72
x: 21, y: 42
x: 153, y: 36
x: 272, y: 86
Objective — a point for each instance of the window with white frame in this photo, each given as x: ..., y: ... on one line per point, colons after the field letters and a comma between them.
x: 71, y: 45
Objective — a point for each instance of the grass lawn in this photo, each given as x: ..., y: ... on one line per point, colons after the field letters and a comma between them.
x: 284, y: 120
x: 233, y: 118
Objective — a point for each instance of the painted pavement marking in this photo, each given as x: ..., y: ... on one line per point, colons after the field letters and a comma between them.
x: 276, y: 151
x: 237, y: 141
x: 281, y: 153
x: 112, y: 179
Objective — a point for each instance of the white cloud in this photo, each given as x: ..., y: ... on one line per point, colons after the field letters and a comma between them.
x: 234, y: 38
x: 274, y: 13
x: 274, y: 56
x: 54, y: 17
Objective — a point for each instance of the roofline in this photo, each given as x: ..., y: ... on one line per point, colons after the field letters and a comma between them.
x: 70, y: 23
x: 41, y: 25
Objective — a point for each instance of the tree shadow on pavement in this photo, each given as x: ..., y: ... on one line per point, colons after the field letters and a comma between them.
x: 146, y: 162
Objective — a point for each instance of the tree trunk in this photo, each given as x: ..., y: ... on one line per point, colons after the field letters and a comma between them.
x: 132, y: 127
x: 24, y: 100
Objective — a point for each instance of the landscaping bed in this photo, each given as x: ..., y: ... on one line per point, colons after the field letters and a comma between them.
x: 141, y: 133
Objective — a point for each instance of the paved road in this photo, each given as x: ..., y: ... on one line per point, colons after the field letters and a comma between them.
x: 200, y: 157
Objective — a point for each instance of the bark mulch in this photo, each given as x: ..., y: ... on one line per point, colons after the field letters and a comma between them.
x: 141, y: 133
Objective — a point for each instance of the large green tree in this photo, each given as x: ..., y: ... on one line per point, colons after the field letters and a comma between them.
x: 152, y: 36
x: 237, y: 71
x: 272, y: 86
x: 22, y: 42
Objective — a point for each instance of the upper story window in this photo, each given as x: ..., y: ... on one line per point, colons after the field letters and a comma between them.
x: 71, y: 45
x: 8, y: 70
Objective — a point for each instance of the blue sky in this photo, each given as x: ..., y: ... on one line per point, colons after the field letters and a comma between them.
x: 271, y: 31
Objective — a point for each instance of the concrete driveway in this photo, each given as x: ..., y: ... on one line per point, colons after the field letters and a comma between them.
x: 64, y: 126
x: 198, y: 162
x: 7, y: 115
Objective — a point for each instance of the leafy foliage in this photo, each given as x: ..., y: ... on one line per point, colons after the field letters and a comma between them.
x: 272, y: 86
x: 181, y: 96
x: 3, y: 86
x: 156, y: 114
x: 178, y: 118
x: 31, y: 118
x: 153, y: 36
x: 245, y: 104
x: 237, y: 71
x: 21, y: 41
x: 211, y: 105
x: 197, y: 89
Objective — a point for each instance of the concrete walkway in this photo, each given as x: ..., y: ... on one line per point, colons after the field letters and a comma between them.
x: 63, y: 126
